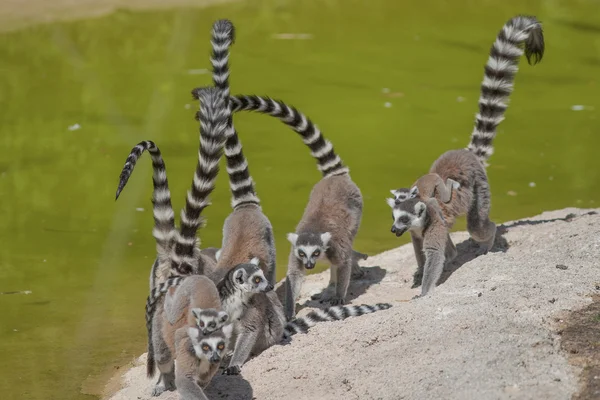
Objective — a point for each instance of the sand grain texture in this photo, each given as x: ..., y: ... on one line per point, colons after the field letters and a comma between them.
x: 488, y: 332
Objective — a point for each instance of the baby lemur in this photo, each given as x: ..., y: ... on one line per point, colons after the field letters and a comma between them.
x: 428, y: 186
x: 429, y: 220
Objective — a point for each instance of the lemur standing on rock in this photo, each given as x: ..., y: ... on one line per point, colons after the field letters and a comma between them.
x: 333, y: 214
x: 430, y: 220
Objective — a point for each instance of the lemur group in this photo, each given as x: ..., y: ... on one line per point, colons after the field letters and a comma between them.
x: 213, y: 307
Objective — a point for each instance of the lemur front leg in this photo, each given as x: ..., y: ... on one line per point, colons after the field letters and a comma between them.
x: 418, y: 247
x: 432, y: 271
x: 293, y: 284
x: 245, y: 342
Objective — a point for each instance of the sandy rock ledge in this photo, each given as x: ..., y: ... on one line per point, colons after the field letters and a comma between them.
x: 488, y: 332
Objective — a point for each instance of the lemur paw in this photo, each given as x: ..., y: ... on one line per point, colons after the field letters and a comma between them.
x: 337, y: 301
x: 233, y: 370
x: 158, y: 390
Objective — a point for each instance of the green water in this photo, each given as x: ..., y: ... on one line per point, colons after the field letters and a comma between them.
x: 126, y: 77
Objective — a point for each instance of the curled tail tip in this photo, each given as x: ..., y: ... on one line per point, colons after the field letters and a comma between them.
x: 534, y: 44
x: 225, y: 26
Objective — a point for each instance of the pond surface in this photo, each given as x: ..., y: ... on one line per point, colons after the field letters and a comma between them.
x: 392, y: 84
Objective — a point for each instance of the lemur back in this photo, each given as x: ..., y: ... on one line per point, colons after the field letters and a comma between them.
x: 429, y: 222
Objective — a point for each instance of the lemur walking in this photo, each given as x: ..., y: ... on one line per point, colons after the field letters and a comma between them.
x: 333, y: 213
x: 429, y: 220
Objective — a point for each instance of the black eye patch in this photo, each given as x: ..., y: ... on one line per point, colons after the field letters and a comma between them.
x: 404, y: 219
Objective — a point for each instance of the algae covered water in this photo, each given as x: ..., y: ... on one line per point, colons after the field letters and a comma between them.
x: 392, y: 84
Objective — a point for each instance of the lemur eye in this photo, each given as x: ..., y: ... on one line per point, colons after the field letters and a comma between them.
x: 212, y: 324
x: 301, y: 253
x: 221, y: 346
x: 257, y: 279
x: 201, y: 323
x: 205, y: 347
x: 316, y: 253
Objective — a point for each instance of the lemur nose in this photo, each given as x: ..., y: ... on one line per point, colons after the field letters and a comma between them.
x: 393, y: 229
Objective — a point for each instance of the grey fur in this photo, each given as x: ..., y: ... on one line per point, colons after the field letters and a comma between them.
x: 196, y: 298
x: 328, y: 227
x: 428, y: 218
x: 257, y: 317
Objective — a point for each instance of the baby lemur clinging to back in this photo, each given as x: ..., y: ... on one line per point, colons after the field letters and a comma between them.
x: 429, y: 220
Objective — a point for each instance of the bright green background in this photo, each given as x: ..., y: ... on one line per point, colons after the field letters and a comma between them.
x: 125, y: 78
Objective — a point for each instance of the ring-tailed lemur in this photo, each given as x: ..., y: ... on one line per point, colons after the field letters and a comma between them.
x: 184, y: 254
x: 429, y: 221
x: 428, y: 186
x: 333, y: 214
x: 195, y: 300
x: 258, y: 318
x: 247, y: 232
x: 336, y: 313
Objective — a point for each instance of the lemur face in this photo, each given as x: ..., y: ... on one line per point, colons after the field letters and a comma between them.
x: 408, y: 215
x: 309, y: 247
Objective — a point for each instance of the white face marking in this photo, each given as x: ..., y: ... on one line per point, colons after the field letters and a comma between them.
x: 207, y: 347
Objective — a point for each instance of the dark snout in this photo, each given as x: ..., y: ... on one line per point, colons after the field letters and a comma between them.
x: 398, y: 231
x: 269, y: 288
x: 309, y: 265
x: 205, y: 332
x: 215, y: 359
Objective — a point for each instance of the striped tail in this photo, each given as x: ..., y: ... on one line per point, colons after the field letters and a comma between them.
x: 164, y: 218
x: 336, y: 313
x: 240, y: 181
x: 213, y: 117
x: 321, y: 149
x: 155, y: 295
x: 500, y: 70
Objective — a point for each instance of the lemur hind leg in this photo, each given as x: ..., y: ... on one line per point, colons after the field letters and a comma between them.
x: 481, y: 229
x: 357, y: 271
x: 451, y: 251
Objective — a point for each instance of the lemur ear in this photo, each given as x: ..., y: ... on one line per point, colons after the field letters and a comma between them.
x: 325, y: 237
x: 254, y: 261
x: 420, y: 208
x: 394, y: 192
x: 239, y: 276
x: 223, y: 316
x: 390, y: 202
x: 292, y: 238
x: 218, y: 254
x: 414, y: 191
